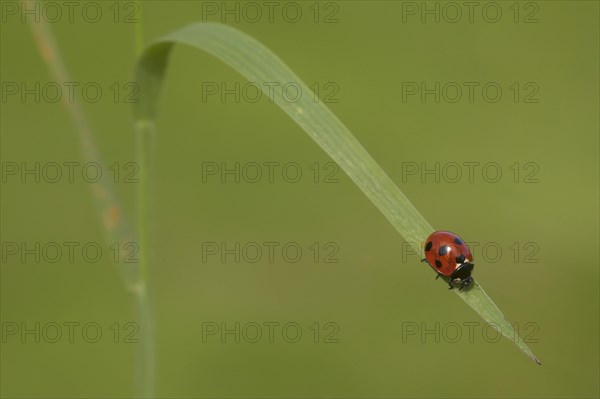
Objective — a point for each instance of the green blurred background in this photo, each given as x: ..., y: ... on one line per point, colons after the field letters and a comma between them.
x: 376, y: 289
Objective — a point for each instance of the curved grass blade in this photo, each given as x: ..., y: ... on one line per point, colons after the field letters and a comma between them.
x: 258, y: 64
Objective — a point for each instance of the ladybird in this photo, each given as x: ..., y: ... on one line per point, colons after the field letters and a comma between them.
x: 449, y: 256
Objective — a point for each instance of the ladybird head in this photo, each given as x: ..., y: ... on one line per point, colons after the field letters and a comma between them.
x: 462, y: 275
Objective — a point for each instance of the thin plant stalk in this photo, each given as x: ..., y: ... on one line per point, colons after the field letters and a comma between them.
x: 116, y: 227
x: 145, y: 354
x: 145, y: 364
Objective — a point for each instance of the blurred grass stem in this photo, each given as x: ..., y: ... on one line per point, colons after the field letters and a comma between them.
x: 113, y: 220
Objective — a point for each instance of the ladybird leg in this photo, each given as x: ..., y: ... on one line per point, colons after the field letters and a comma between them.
x: 450, y: 285
x: 466, y: 283
x: 438, y: 276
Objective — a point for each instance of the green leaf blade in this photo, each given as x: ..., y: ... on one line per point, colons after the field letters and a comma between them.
x: 259, y: 65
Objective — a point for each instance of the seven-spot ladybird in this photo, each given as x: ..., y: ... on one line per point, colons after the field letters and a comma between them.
x: 448, y: 255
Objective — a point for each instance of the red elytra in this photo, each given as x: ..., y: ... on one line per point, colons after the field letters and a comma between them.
x: 449, y: 256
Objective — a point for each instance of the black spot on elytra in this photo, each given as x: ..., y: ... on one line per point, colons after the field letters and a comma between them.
x: 438, y: 263
x: 460, y: 259
x: 458, y: 241
x: 443, y: 250
x: 428, y: 246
